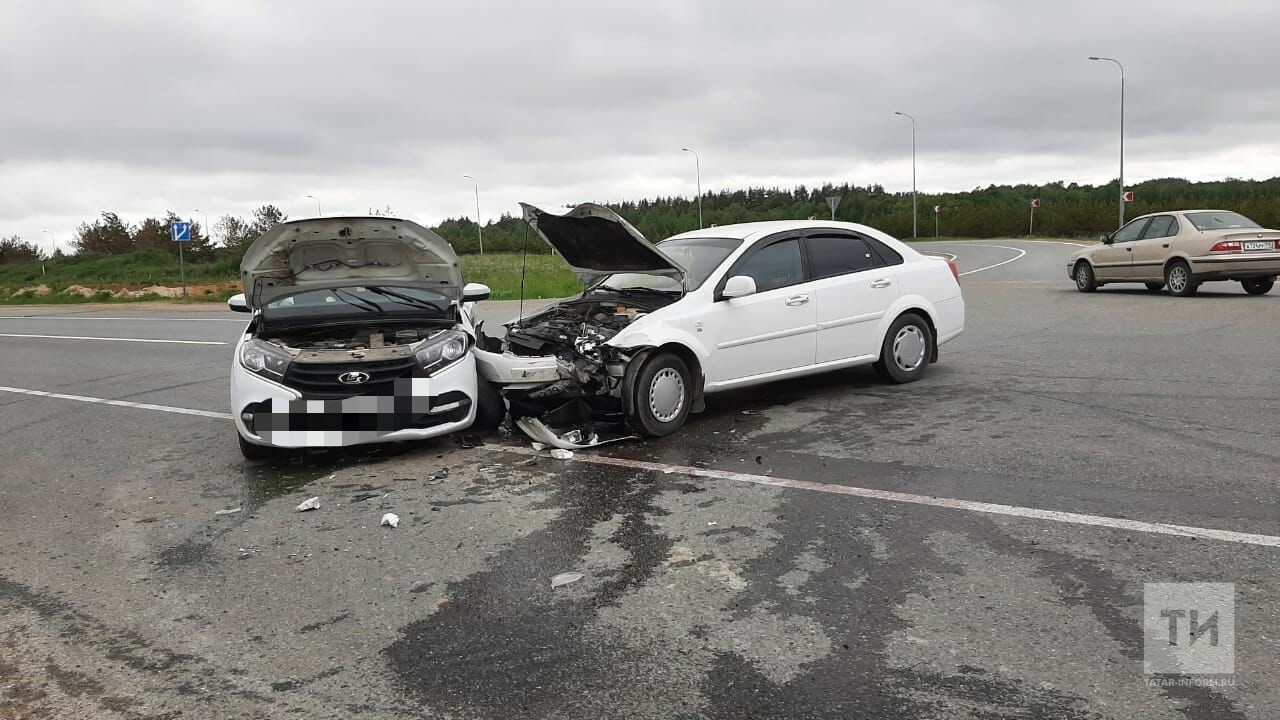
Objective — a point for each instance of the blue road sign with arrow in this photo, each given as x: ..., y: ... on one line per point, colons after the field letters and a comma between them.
x: 180, y: 231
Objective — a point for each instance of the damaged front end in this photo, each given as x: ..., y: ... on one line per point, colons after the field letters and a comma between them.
x: 562, y: 377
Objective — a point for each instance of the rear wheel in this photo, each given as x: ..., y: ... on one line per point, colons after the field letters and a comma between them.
x: 1155, y: 286
x: 1258, y: 286
x: 661, y: 396
x: 904, y: 354
x: 1086, y: 281
x: 1177, y: 275
x: 251, y: 451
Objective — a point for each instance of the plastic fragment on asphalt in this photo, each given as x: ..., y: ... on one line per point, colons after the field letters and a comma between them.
x: 559, y: 454
x: 232, y: 511
x: 565, y: 579
x: 309, y: 504
x: 390, y: 519
x: 538, y: 446
x: 440, y: 474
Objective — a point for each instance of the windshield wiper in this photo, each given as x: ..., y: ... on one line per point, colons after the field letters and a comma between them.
x: 363, y: 303
x: 402, y: 299
x: 637, y: 290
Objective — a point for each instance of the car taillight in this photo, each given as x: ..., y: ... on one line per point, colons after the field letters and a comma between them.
x: 1226, y: 246
x: 954, y: 271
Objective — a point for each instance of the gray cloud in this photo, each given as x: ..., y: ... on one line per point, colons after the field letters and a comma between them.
x: 147, y: 106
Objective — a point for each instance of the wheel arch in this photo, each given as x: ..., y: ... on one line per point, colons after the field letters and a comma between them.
x: 687, y: 355
x: 924, y: 313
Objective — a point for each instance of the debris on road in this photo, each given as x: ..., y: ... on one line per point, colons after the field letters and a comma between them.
x: 390, y: 519
x: 559, y: 454
x: 309, y: 504
x: 436, y: 476
x: 538, y: 446
x: 576, y: 438
x: 565, y: 579
x: 232, y: 511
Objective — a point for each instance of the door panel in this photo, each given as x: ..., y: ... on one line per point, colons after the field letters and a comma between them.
x: 1112, y: 262
x: 771, y: 330
x: 854, y: 289
x: 761, y: 333
x: 1150, y: 252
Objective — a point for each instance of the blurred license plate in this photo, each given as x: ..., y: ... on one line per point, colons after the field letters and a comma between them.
x: 1260, y: 245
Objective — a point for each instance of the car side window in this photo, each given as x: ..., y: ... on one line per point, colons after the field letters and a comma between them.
x: 1174, y: 227
x: 1158, y: 227
x: 773, y: 266
x: 1130, y: 232
x: 832, y: 255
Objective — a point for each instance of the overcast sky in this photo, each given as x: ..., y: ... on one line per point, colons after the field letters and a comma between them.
x: 217, y: 105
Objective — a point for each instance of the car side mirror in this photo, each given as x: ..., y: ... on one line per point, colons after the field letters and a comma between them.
x: 237, y: 303
x: 1105, y: 239
x: 739, y: 286
x: 475, y: 292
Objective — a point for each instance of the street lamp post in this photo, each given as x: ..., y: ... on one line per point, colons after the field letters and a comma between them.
x: 914, y: 214
x: 479, y: 232
x: 318, y: 213
x: 208, y: 231
x: 1117, y: 62
x: 697, y: 166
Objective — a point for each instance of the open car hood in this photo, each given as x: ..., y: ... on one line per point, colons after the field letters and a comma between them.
x: 596, y: 241
x: 321, y: 253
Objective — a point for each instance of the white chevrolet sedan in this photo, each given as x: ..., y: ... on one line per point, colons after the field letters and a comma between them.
x: 659, y: 326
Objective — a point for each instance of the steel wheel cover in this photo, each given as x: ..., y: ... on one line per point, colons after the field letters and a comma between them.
x: 909, y: 348
x: 666, y: 395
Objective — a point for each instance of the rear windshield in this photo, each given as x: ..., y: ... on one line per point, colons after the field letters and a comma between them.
x: 1220, y: 221
x: 356, y: 303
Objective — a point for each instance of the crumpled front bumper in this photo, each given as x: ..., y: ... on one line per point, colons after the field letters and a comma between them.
x: 269, y: 413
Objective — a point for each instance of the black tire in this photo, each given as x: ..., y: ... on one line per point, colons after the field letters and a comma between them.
x: 251, y: 451
x: 1155, y: 286
x: 1258, y: 286
x: 906, y: 349
x: 661, y: 396
x: 1086, y: 281
x: 491, y: 409
x: 1178, y: 278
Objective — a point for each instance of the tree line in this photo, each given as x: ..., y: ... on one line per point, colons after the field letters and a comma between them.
x: 1066, y: 210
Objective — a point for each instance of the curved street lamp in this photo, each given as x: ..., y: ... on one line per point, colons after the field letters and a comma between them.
x: 914, y: 215
x: 697, y: 165
x: 318, y: 213
x: 1117, y: 62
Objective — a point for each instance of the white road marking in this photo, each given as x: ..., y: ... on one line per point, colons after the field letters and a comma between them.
x: 95, y: 317
x: 114, y: 339
x: 949, y: 503
x: 1019, y: 256
x: 118, y: 403
x: 888, y: 495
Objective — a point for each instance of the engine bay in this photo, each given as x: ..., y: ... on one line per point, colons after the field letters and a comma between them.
x: 352, y: 340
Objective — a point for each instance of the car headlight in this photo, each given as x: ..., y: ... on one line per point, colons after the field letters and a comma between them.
x: 441, y: 351
x: 264, y: 359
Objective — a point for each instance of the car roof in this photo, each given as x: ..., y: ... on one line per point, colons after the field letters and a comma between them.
x: 755, y: 230
x: 1179, y: 212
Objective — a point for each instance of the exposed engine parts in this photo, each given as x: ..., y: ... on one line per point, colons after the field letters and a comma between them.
x: 353, y: 337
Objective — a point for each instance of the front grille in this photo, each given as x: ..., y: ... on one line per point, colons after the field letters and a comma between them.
x: 320, y: 380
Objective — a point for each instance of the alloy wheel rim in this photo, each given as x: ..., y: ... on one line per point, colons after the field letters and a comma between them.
x: 908, y: 348
x: 1082, y: 276
x: 1177, y: 279
x: 666, y: 395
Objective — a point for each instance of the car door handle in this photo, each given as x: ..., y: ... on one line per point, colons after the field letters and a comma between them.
x: 881, y: 283
x: 797, y: 300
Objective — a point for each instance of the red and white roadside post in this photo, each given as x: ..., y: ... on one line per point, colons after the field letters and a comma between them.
x: 1031, y: 228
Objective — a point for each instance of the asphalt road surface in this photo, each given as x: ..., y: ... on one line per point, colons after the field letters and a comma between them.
x: 974, y: 545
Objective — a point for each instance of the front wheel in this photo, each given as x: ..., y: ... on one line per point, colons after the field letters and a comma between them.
x: 490, y: 407
x: 1086, y: 281
x: 904, y: 353
x: 661, y: 396
x: 1178, y: 277
x: 1258, y: 286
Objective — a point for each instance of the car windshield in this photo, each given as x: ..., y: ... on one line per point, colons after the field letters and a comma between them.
x: 356, y: 302
x: 698, y: 256
x: 1220, y: 221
